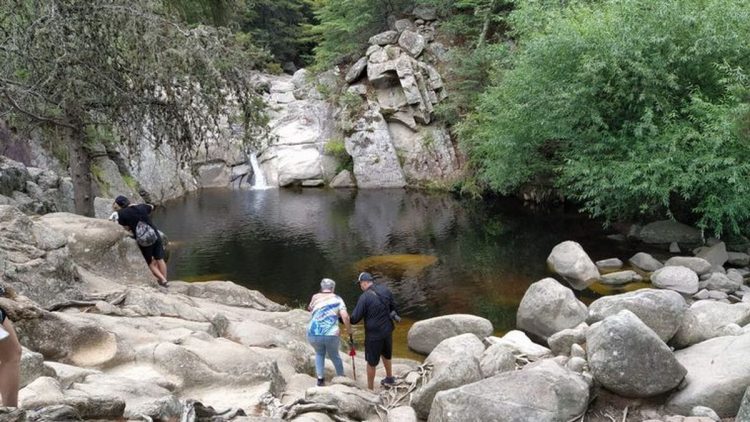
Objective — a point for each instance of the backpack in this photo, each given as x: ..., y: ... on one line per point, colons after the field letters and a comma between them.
x: 145, y: 235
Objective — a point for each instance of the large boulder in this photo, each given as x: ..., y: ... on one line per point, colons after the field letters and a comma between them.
x: 629, y: 359
x: 548, y: 307
x: 425, y: 335
x: 706, y: 318
x: 352, y: 402
x: 721, y: 282
x: 540, y: 392
x: 699, y: 265
x: 496, y: 359
x: 668, y: 231
x: 660, y: 310
x: 645, y: 262
x: 717, y: 254
x: 36, y: 260
x: 718, y: 375
x: 679, y: 279
x: 570, y: 261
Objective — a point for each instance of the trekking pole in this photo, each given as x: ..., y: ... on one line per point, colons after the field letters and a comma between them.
x: 352, y: 353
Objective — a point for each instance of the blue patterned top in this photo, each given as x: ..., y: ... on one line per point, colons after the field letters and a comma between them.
x: 325, y: 310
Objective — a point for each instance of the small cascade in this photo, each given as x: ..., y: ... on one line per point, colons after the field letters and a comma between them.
x: 259, y: 179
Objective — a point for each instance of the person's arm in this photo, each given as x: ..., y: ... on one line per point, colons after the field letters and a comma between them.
x: 347, y: 321
x: 359, y: 311
x: 311, y: 305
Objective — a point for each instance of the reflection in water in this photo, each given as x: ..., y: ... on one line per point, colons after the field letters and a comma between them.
x: 471, y: 256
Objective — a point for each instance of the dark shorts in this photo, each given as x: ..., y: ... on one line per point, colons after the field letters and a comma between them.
x: 155, y: 251
x: 374, y: 349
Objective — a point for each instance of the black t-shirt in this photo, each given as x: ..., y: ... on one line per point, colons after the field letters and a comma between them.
x: 131, y: 215
x: 376, y: 311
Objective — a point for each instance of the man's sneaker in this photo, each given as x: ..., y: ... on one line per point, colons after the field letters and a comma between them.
x: 388, y: 381
x: 321, y: 382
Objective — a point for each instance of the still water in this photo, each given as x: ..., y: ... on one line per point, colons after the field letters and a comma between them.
x: 438, y: 254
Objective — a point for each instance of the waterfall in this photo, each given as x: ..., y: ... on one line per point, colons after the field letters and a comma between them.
x: 259, y: 179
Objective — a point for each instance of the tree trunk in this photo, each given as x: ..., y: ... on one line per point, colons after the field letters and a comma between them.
x: 80, y: 171
x: 486, y: 24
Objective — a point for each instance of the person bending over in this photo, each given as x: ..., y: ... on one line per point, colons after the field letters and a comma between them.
x: 129, y: 215
x: 375, y: 306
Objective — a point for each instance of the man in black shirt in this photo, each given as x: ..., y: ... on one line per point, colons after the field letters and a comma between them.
x: 375, y: 306
x: 128, y: 215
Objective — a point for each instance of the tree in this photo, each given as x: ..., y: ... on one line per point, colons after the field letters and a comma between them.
x: 76, y: 67
x: 344, y: 26
x: 633, y: 108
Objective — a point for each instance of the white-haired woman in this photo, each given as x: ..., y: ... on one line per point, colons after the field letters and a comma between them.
x: 323, y: 329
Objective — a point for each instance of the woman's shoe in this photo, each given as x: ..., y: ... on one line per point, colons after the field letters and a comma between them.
x: 321, y: 382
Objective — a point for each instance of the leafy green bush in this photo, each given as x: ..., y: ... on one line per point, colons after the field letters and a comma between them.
x: 634, y: 108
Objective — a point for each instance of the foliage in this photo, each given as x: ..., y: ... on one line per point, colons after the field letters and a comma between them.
x: 337, y: 149
x: 344, y: 26
x: 124, y: 65
x: 275, y: 26
x: 633, y: 107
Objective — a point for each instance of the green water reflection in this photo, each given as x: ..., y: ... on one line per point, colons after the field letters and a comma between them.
x: 282, y: 242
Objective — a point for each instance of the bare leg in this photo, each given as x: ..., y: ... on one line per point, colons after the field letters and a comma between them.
x: 370, y: 377
x: 154, y: 267
x: 388, y: 368
x: 162, y: 267
x: 10, y: 366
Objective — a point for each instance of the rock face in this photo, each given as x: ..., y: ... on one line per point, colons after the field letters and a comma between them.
x: 548, y: 307
x: 425, y: 335
x: 660, y: 310
x: 628, y: 358
x: 376, y: 164
x: 34, y: 190
x: 540, y: 392
x: 402, y: 85
x: 718, y: 375
x: 301, y: 125
x: 570, y: 261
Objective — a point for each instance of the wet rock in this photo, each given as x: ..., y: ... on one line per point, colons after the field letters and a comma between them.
x: 629, y: 359
x: 608, y: 265
x: 570, y: 261
x: 548, y: 307
x: 620, y: 277
x: 425, y: 335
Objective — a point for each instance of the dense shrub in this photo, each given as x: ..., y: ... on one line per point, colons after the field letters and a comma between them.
x: 632, y: 107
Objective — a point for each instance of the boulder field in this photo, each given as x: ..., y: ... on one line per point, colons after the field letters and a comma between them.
x: 102, y: 342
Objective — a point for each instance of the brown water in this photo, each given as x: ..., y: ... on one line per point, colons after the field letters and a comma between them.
x: 438, y: 254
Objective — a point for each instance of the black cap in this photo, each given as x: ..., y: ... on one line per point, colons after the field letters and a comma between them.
x: 122, y: 201
x: 364, y: 277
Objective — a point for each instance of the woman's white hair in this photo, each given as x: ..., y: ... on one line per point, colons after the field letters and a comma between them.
x: 327, y: 284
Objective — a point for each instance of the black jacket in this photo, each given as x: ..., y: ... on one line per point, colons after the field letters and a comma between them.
x: 375, y: 306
